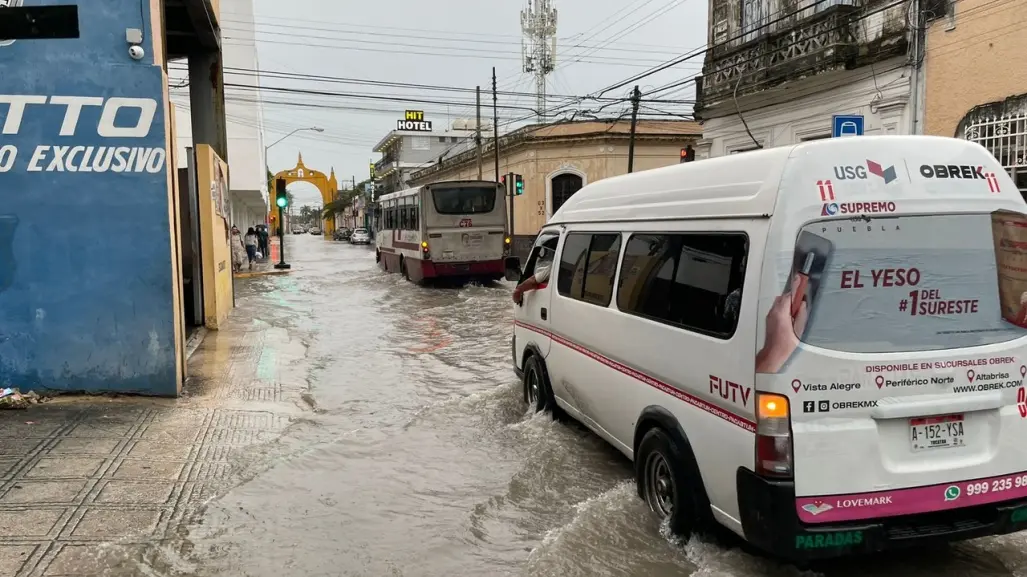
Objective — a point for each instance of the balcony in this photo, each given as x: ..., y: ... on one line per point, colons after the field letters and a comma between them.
x: 824, y: 41
x: 384, y: 165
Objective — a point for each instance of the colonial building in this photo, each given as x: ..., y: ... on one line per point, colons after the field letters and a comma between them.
x: 559, y: 159
x: 415, y: 145
x: 778, y: 71
x: 976, y: 83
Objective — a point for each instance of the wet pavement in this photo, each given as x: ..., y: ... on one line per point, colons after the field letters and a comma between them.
x: 346, y: 422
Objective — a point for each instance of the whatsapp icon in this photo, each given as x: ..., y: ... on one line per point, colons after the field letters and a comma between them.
x: 951, y: 493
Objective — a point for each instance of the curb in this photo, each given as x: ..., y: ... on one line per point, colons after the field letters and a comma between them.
x: 262, y: 273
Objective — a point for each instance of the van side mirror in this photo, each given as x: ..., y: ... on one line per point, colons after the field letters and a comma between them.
x: 513, y: 269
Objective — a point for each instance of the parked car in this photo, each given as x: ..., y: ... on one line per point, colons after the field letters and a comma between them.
x: 315, y: 231
x: 360, y: 236
x: 343, y: 234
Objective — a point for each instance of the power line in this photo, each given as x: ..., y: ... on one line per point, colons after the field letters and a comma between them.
x: 337, y: 34
x: 368, y: 82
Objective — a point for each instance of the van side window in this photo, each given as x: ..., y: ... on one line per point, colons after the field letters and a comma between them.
x: 693, y: 281
x: 542, y: 253
x: 587, y: 267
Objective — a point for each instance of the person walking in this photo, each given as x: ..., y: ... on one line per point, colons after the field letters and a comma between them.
x: 262, y: 237
x: 238, y: 249
x: 250, y: 242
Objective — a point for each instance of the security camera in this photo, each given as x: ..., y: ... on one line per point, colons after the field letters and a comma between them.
x: 136, y: 52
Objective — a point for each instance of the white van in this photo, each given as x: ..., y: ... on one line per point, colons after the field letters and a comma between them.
x: 820, y: 347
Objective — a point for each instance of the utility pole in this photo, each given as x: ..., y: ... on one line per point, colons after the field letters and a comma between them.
x: 477, y: 131
x: 495, y: 122
x: 636, y: 96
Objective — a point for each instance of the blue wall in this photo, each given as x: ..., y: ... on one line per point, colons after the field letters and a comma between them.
x: 85, y: 257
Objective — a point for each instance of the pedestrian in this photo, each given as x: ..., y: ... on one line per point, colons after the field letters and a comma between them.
x: 250, y: 241
x: 238, y: 249
x: 262, y: 234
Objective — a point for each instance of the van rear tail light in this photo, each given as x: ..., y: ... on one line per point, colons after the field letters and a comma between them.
x: 773, y: 436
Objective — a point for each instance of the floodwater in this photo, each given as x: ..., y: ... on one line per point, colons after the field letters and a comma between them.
x: 421, y: 459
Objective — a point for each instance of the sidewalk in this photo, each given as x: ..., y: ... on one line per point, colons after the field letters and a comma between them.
x: 91, y: 486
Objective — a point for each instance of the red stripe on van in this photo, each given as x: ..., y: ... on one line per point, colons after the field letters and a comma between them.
x: 736, y: 420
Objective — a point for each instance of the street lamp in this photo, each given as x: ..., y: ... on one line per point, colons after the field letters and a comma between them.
x: 281, y: 199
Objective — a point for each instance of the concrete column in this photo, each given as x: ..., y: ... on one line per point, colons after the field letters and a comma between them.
x: 207, y: 101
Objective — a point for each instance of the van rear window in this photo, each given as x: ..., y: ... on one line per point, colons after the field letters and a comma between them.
x: 910, y: 283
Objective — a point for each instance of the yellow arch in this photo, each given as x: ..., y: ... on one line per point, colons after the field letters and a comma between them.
x: 327, y: 185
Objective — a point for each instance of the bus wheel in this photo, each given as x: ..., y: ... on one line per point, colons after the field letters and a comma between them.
x: 377, y: 256
x: 403, y: 268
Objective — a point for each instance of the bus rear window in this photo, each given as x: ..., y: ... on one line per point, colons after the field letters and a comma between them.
x: 464, y: 200
x: 910, y: 283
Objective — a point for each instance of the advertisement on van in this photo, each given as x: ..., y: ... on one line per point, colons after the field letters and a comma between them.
x: 892, y: 314
x: 902, y: 283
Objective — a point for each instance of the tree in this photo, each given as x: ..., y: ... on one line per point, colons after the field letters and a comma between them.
x: 343, y: 200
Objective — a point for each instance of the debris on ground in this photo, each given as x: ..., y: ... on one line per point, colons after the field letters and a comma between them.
x: 15, y: 399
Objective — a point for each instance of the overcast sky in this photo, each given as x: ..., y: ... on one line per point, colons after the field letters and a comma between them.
x: 453, y: 44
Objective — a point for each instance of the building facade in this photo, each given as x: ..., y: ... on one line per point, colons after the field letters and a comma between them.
x: 90, y: 250
x: 975, y: 82
x: 558, y: 160
x: 248, y: 201
x: 406, y: 151
x: 779, y: 71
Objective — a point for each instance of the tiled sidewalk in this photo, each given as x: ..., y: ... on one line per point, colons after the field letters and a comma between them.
x: 92, y: 485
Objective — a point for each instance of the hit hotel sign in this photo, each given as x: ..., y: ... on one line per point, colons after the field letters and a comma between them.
x: 414, y: 120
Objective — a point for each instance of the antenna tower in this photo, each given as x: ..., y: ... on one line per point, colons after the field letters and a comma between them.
x: 538, y: 47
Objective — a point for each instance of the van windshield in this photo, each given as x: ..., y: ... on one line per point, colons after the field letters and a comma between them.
x: 912, y: 283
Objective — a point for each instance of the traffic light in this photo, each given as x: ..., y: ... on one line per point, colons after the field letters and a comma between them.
x: 687, y: 154
x: 281, y: 197
x: 518, y: 184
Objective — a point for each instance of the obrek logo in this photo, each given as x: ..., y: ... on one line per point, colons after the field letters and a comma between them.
x: 961, y: 172
x: 859, y: 172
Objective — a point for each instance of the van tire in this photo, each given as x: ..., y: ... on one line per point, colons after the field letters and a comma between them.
x: 667, y: 474
x: 537, y: 392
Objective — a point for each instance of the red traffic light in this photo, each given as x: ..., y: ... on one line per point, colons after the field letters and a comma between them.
x: 687, y: 154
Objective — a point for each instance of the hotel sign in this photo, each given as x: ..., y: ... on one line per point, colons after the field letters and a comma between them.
x: 414, y: 120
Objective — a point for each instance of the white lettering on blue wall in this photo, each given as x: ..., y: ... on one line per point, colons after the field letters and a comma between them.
x: 47, y: 158
x: 80, y: 158
x: 73, y: 105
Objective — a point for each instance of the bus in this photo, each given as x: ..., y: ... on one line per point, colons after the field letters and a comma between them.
x: 453, y: 229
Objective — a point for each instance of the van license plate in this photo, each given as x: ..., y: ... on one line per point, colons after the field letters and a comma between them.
x: 936, y: 432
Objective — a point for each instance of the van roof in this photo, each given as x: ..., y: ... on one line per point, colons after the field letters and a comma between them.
x: 747, y: 185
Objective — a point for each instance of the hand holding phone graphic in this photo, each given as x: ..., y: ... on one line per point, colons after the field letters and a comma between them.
x: 788, y: 316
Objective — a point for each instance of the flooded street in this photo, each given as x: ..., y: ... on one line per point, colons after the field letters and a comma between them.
x: 414, y: 455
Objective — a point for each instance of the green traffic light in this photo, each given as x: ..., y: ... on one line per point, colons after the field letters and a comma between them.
x: 282, y: 201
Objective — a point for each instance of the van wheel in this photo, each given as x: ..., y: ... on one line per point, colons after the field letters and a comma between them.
x: 536, y: 390
x: 669, y: 481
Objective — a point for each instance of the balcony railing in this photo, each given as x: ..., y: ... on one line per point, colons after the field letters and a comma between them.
x: 823, y: 41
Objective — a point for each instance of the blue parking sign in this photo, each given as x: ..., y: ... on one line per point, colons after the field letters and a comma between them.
x: 846, y: 125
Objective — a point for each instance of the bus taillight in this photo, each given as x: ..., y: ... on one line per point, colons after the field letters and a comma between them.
x: 424, y: 247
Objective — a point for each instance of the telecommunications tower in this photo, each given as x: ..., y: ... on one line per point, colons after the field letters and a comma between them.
x: 538, y: 47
